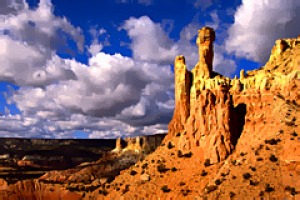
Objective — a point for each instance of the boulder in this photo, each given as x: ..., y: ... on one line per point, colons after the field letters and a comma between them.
x: 145, y: 177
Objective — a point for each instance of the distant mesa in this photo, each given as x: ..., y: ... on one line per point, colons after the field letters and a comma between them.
x: 139, y: 144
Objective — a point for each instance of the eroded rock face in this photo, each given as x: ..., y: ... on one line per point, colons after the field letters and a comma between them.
x: 212, y: 111
x: 33, y: 189
x: 205, y: 40
x: 183, y: 80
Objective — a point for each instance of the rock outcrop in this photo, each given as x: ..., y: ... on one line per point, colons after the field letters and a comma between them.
x: 211, y: 110
x: 33, y: 189
x: 143, y: 144
x: 183, y: 80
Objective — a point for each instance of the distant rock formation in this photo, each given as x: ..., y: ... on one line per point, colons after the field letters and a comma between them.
x: 33, y: 189
x: 139, y: 144
x: 211, y: 110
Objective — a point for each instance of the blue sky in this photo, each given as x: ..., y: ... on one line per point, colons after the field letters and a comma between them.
x: 103, y: 69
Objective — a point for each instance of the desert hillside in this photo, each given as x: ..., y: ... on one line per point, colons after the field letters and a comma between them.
x: 228, y: 139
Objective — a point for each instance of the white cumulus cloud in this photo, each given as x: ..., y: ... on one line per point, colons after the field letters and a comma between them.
x: 29, y: 40
x: 112, y: 87
x: 149, y: 41
x: 110, y: 96
x: 257, y: 24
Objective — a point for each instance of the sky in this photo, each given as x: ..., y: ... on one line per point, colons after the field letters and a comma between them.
x: 104, y: 68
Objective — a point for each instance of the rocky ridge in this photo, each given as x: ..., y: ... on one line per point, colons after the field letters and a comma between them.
x: 85, y: 176
x: 211, y: 110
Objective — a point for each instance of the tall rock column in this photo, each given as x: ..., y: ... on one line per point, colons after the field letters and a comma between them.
x: 208, y: 126
x: 182, y: 95
x: 205, y: 40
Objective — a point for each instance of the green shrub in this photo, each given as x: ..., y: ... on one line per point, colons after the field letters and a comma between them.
x: 242, y: 154
x: 185, y: 192
x: 254, y: 183
x: 170, y: 145
x: 259, y: 159
x: 210, y: 188
x: 207, y: 163
x: 173, y: 169
x: 261, y: 193
x: 252, y: 168
x: 162, y: 168
x: 218, y: 182
x: 126, y: 189
x: 281, y: 131
x: 179, y: 153
x: 273, y: 158
x: 290, y: 123
x: 268, y: 188
x: 294, y: 134
x: 165, y: 188
x: 231, y: 194
x: 133, y: 172
x: 103, y: 192
x: 188, y: 155
x: 272, y: 141
x: 292, y: 190
x: 181, y: 183
x: 203, y: 173
x: 145, y: 166
x: 247, y: 175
